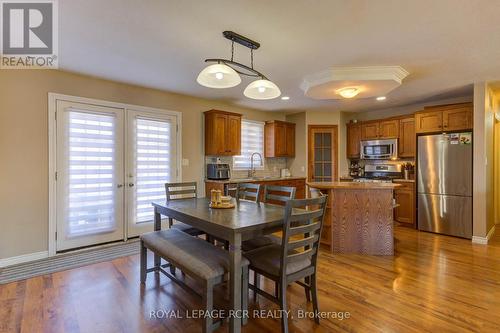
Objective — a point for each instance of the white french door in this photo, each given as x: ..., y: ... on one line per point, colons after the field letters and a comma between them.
x: 89, y: 175
x: 111, y: 164
x: 151, y: 163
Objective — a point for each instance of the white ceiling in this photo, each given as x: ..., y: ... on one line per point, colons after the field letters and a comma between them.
x: 445, y: 45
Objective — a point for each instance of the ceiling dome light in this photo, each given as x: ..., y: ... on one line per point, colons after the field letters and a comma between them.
x: 381, y: 98
x: 218, y: 76
x: 262, y: 89
x: 348, y: 92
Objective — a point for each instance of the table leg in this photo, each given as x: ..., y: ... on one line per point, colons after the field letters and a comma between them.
x: 157, y: 227
x: 235, y: 283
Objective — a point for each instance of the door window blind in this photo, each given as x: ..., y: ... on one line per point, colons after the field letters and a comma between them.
x: 152, y: 163
x: 252, y: 141
x: 91, y: 163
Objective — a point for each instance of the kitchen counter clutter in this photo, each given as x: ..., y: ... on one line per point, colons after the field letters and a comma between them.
x: 358, y: 217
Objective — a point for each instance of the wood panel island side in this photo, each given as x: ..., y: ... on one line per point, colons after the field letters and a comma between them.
x: 358, y: 217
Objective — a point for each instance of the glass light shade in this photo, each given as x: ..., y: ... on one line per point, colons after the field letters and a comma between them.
x: 218, y: 76
x: 262, y: 89
x: 348, y: 92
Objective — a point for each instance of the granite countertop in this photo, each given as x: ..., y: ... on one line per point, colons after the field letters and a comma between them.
x: 255, y: 179
x: 402, y: 180
x: 353, y: 185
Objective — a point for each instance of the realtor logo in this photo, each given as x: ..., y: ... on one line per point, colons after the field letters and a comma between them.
x: 29, y: 34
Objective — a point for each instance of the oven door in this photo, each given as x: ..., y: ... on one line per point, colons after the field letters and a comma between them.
x: 379, y: 149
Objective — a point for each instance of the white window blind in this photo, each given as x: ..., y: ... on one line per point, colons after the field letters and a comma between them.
x: 91, y: 173
x: 252, y: 141
x: 153, y: 165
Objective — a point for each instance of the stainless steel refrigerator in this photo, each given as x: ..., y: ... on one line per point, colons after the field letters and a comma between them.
x: 444, y: 184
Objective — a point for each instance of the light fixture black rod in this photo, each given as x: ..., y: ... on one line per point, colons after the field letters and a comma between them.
x: 234, y: 63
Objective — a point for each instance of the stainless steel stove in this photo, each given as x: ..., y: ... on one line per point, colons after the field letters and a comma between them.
x: 380, y: 173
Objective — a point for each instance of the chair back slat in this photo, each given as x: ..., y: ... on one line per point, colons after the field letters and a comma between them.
x: 248, y: 191
x: 176, y: 191
x: 304, y: 242
x: 303, y: 229
x: 278, y: 194
x: 306, y: 215
x: 302, y: 232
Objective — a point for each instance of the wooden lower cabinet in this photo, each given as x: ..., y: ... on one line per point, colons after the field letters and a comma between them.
x: 405, y: 198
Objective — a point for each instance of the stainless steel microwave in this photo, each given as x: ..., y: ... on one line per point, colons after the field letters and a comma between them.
x: 379, y: 149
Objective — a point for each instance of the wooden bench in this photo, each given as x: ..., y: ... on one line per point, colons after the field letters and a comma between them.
x: 195, y: 257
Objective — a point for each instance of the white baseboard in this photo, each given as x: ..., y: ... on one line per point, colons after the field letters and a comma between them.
x: 23, y: 258
x: 484, y: 240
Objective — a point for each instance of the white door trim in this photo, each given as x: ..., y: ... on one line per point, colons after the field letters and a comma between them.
x: 52, y: 141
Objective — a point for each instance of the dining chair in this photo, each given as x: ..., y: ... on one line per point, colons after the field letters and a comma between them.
x: 275, y: 195
x: 248, y: 191
x: 177, y: 191
x: 278, y: 195
x: 296, y: 258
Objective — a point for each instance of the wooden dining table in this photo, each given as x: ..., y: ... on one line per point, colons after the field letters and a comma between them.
x: 246, y: 221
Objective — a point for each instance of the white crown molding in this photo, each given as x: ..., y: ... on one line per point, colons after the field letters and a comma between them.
x: 23, y: 258
x: 371, y: 73
x: 484, y: 240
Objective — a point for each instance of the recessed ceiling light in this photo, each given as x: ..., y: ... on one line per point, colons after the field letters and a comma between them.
x: 348, y: 92
x: 381, y: 98
x: 285, y: 98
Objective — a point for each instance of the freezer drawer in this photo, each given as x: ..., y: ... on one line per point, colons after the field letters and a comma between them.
x: 445, y: 214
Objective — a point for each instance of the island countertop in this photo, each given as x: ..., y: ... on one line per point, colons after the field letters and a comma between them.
x: 353, y: 185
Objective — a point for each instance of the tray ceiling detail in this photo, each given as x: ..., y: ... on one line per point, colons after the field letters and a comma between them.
x: 371, y: 81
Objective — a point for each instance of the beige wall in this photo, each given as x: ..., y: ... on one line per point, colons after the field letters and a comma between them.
x: 298, y: 165
x: 483, y: 142
x: 24, y: 143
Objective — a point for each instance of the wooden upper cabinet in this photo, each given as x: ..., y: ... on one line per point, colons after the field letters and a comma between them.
x: 428, y: 121
x: 388, y: 129
x: 233, y: 135
x: 407, y: 137
x: 290, y: 140
x: 222, y: 133
x: 279, y: 137
x: 353, y: 139
x: 445, y: 118
x: 385, y: 129
x: 458, y: 117
x: 370, y: 131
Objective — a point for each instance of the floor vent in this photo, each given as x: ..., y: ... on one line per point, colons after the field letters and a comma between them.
x: 68, y: 260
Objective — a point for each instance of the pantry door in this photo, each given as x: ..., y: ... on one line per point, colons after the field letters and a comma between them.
x: 151, y: 162
x: 322, y: 153
x: 89, y: 175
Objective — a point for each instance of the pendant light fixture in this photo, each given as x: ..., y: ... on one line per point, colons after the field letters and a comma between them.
x: 226, y: 73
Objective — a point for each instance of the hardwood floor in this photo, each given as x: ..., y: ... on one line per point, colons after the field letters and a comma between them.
x: 433, y: 283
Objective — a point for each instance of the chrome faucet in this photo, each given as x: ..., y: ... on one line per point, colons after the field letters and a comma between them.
x: 251, y: 172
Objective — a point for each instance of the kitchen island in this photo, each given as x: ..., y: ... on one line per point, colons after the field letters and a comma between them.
x: 359, y: 217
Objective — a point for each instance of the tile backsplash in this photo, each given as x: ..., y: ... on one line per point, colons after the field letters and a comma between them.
x: 272, y: 166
